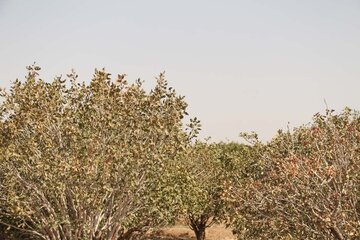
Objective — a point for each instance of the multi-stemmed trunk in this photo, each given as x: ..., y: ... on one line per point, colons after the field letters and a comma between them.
x: 200, y: 234
x: 199, y: 225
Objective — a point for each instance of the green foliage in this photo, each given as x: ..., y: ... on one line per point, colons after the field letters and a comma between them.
x: 309, y: 185
x: 205, y: 174
x: 200, y: 175
x: 108, y: 160
x: 89, y: 161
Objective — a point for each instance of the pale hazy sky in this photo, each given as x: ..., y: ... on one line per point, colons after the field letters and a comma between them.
x: 242, y: 65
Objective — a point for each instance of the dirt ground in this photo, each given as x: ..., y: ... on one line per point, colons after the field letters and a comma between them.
x: 182, y: 232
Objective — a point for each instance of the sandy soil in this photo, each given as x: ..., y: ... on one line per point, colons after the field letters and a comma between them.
x: 182, y: 232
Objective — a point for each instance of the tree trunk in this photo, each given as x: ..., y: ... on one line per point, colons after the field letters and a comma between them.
x: 200, y: 234
x: 198, y: 225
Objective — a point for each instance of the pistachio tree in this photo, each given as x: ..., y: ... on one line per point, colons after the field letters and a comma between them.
x: 206, y: 175
x: 88, y: 161
x: 200, y: 168
x: 307, y: 185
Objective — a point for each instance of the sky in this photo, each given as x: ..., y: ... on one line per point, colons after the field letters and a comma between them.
x: 244, y: 65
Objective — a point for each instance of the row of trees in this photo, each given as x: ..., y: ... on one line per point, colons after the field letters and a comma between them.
x: 109, y: 160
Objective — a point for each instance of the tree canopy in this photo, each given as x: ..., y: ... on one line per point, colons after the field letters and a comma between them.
x: 88, y: 161
x: 108, y: 160
x: 309, y: 185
